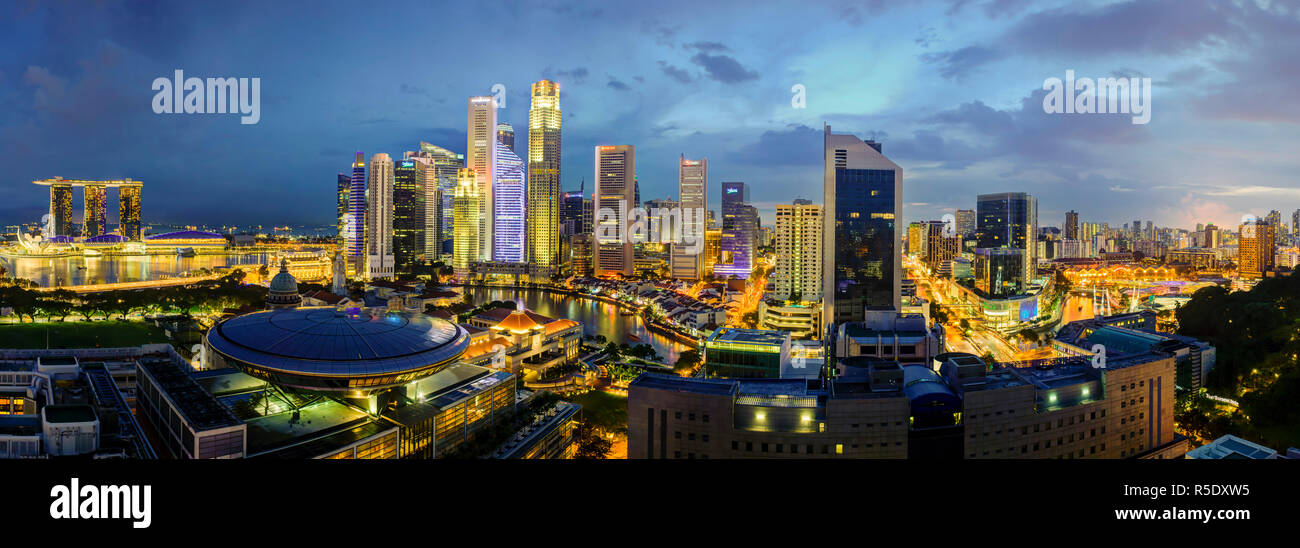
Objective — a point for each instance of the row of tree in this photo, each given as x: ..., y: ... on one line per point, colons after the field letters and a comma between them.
x: 57, y: 305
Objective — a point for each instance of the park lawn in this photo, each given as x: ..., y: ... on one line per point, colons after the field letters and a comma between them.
x: 605, y: 410
x: 104, y: 334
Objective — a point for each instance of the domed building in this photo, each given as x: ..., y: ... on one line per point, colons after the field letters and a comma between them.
x: 283, y: 292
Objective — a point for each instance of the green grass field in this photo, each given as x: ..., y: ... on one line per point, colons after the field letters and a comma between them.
x: 105, y: 334
x: 603, y: 409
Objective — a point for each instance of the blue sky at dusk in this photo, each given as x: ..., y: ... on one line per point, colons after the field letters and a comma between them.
x: 953, y: 89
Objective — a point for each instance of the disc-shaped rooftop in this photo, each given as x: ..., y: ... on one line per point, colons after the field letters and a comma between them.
x: 321, y: 348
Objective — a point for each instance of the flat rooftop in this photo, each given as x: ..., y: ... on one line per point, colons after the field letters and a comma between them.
x: 69, y: 413
x: 759, y: 337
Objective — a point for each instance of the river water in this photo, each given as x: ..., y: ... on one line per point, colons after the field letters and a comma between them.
x: 61, y: 271
x: 598, y: 318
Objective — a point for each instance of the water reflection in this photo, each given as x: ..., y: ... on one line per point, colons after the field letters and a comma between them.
x: 596, y: 317
x: 61, y: 271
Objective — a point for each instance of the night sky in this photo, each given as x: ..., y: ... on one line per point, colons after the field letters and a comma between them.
x: 953, y: 89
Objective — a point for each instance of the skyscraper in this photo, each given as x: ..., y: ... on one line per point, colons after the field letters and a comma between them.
x: 128, y: 208
x: 355, y: 238
x: 344, y: 190
x: 573, y: 214
x: 1256, y: 249
x: 861, y: 266
x: 544, y: 120
x: 96, y: 212
x: 965, y: 221
x: 1071, y: 225
x: 739, y: 220
x: 939, y: 247
x: 692, y: 192
x: 60, y: 209
x: 442, y: 166
x: 509, y: 203
x: 506, y: 135
x: 408, y: 214
x: 466, y: 202
x: 798, y: 273
x: 380, y: 263
x: 480, y: 156
x: 615, y: 177
x: 1295, y: 223
x: 1010, y: 220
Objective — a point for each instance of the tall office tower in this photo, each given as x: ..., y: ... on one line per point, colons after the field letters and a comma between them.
x: 1071, y: 225
x: 506, y: 135
x: 544, y: 119
x: 466, y: 202
x: 509, y: 194
x: 798, y: 274
x: 615, y: 177
x: 128, y: 210
x: 861, y: 269
x: 662, y: 221
x: 1295, y: 223
x: 573, y: 214
x: 739, y: 220
x: 480, y: 156
x: 60, y: 209
x: 408, y: 214
x: 1213, y: 237
x: 354, y: 241
x: 687, y: 258
x: 1136, y: 231
x: 1010, y: 220
x: 1150, y: 231
x: 582, y: 253
x: 1256, y: 249
x: 96, y: 212
x: 965, y: 221
x: 344, y: 190
x: 916, y: 238
x: 380, y: 263
x: 939, y: 247
x: 445, y: 166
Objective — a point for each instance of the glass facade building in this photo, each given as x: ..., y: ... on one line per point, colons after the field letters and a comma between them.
x: 509, y: 194
x: 60, y: 210
x: 1009, y: 220
x: 408, y: 214
x: 96, y: 213
x: 355, y: 237
x: 739, y: 220
x: 544, y: 119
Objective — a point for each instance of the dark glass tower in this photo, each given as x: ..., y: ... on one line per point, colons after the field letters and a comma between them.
x: 739, y: 221
x: 1010, y: 220
x: 408, y: 214
x: 862, y: 269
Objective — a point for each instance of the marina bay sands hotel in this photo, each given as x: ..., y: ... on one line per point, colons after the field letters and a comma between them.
x: 96, y: 206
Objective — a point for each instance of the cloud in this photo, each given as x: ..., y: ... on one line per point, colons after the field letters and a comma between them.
x: 723, y: 68
x: 675, y: 73
x: 797, y: 144
x: 577, y: 75
x: 957, y: 64
x: 715, y: 47
x: 614, y: 83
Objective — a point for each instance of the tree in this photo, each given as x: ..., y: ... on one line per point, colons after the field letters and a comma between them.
x: 591, y: 445
x: 59, y: 303
x: 687, y: 362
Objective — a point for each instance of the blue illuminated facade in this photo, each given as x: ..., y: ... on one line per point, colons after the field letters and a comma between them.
x: 509, y: 196
x: 354, y: 240
x: 739, y: 221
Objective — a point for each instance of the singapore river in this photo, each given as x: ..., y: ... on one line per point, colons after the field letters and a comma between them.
x: 61, y: 271
x: 598, y: 318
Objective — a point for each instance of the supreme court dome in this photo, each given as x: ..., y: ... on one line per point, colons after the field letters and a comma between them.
x: 324, y: 349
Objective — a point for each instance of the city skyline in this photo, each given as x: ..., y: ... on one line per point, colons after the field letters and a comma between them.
x: 966, y: 136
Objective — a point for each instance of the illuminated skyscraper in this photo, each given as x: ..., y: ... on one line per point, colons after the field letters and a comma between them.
x: 408, y: 214
x: 128, y: 210
x: 344, y: 190
x: 1256, y: 249
x: 739, y: 221
x: 380, y: 263
x: 60, y: 209
x: 466, y: 203
x: 96, y: 211
x: 1010, y: 220
x: 480, y: 156
x: 506, y: 135
x: 615, y: 177
x: 355, y: 238
x: 573, y: 214
x: 861, y: 266
x: 544, y: 119
x: 965, y: 222
x: 692, y: 191
x: 441, y: 167
x: 798, y: 273
x: 509, y: 195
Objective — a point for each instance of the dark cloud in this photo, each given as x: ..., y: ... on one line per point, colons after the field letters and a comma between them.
x: 797, y: 144
x: 576, y: 75
x: 616, y: 84
x: 957, y: 64
x: 675, y: 73
x: 723, y: 68
x: 713, y: 47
